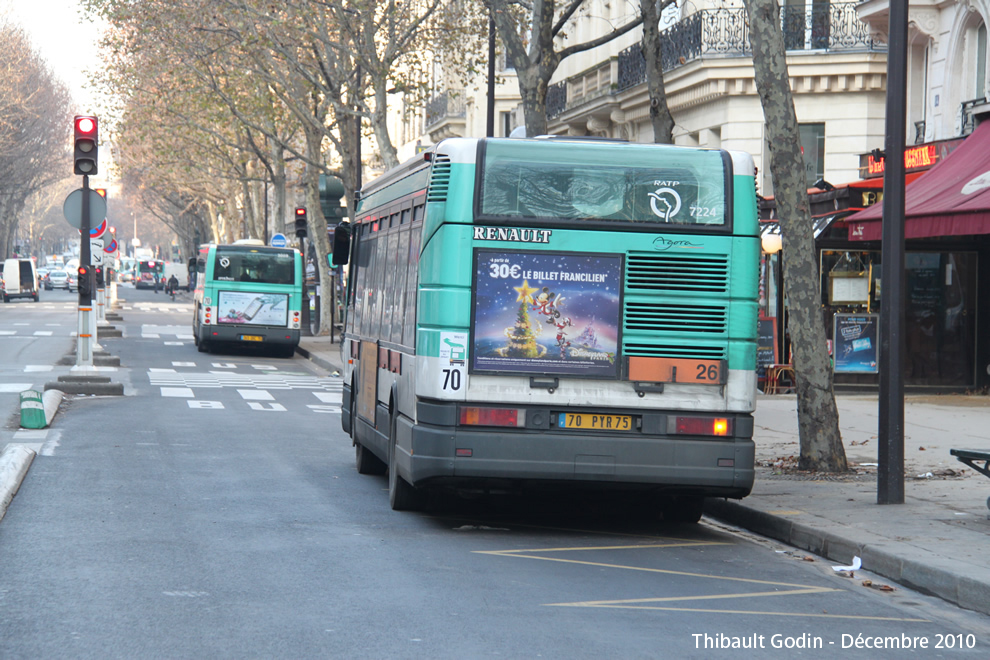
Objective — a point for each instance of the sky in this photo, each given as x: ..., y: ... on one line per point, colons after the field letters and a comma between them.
x: 66, y: 41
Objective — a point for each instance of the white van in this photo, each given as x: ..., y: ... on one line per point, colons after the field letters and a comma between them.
x: 181, y: 272
x: 20, y: 280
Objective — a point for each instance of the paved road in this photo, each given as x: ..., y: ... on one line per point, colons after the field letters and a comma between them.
x: 214, y: 511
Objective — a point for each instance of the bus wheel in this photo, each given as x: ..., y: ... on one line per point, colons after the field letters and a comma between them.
x: 683, y: 509
x: 203, y: 346
x: 401, y: 495
x: 367, y: 462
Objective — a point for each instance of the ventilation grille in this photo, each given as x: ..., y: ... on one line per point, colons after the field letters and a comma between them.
x: 439, y: 179
x: 675, y: 273
x: 670, y: 351
x: 667, y: 317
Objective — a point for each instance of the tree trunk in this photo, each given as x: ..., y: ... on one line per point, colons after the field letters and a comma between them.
x: 318, y: 228
x: 379, y: 119
x: 818, y: 417
x: 660, y: 117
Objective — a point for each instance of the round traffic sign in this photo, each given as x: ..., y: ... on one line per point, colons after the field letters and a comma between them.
x: 111, y: 247
x: 72, y: 207
x: 278, y: 240
x: 98, y: 230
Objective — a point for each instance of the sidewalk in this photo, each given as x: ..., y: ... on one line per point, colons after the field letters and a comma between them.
x: 936, y: 542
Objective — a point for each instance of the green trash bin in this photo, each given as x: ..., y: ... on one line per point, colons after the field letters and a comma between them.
x: 32, y: 410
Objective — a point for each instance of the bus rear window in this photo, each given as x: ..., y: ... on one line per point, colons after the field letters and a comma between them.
x: 547, y: 180
x: 254, y: 265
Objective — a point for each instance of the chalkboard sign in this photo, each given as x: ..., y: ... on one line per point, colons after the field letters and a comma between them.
x: 766, y: 343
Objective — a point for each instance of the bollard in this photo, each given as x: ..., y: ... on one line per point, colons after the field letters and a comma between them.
x: 32, y: 410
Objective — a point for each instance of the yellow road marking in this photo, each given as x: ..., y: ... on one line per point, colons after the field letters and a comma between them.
x: 642, y: 603
x: 665, y: 571
x: 669, y: 599
x: 821, y: 615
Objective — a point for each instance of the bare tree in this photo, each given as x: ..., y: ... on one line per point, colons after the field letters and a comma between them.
x: 530, y: 33
x: 660, y: 117
x: 818, y: 417
x: 34, y: 121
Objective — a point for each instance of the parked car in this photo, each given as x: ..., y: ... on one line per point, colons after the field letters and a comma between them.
x: 73, y: 284
x: 58, y: 279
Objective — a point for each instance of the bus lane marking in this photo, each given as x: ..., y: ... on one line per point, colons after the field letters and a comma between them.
x: 789, y: 588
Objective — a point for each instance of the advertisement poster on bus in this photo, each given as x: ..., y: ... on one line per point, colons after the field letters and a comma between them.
x: 546, y: 313
x: 253, y: 308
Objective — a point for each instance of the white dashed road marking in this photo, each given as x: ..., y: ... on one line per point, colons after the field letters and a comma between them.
x: 185, y: 392
x: 256, y: 395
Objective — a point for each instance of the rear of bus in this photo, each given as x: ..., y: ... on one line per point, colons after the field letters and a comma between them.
x: 587, y: 313
x: 248, y: 294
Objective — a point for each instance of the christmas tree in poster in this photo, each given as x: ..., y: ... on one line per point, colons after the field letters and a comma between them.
x: 522, y: 339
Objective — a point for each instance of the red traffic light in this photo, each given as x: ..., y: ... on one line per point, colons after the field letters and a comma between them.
x: 102, y: 192
x: 82, y: 271
x: 86, y: 125
x: 300, y: 211
x: 85, y: 144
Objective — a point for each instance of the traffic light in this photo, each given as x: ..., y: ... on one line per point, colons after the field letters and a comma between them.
x: 86, y: 135
x: 99, y: 276
x: 331, y: 193
x: 301, y: 222
x: 102, y: 192
x: 85, y: 283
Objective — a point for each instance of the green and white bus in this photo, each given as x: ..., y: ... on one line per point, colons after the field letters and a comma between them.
x: 555, y: 310
x: 247, y: 293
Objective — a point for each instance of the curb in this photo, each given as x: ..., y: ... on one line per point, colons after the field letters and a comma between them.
x: 14, y: 463
x: 87, y: 387
x: 929, y: 574
x: 316, y: 359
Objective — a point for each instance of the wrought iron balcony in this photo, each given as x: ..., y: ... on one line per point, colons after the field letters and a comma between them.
x: 724, y: 32
x: 556, y: 99
x: 968, y: 123
x: 445, y: 105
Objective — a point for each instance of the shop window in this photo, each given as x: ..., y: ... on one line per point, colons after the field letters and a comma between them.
x: 939, y: 313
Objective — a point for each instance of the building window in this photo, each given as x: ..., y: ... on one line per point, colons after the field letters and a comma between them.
x: 981, y: 62
x: 813, y: 150
x: 506, y: 122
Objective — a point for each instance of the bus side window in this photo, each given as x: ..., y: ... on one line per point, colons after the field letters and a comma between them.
x: 412, y: 281
x: 399, y: 285
x: 378, y: 277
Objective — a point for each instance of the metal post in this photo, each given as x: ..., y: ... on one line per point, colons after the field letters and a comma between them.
x: 890, y: 459
x: 84, y: 334
x: 304, y: 325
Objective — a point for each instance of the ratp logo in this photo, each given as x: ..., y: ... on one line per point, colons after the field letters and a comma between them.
x: 665, y: 202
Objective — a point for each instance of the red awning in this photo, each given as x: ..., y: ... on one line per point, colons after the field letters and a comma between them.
x: 951, y: 199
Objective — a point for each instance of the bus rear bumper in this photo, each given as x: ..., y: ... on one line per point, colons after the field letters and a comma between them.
x: 685, y: 465
x: 241, y: 334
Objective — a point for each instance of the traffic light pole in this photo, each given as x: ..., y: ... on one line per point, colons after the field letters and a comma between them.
x: 304, y: 329
x: 84, y: 336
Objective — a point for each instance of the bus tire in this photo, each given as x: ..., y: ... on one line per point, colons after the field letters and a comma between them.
x: 401, y: 495
x: 684, y: 510
x: 367, y: 462
x: 203, y: 346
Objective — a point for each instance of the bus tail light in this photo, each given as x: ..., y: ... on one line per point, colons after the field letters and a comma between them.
x: 715, y: 426
x: 295, y: 319
x: 471, y: 416
x: 206, y: 321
